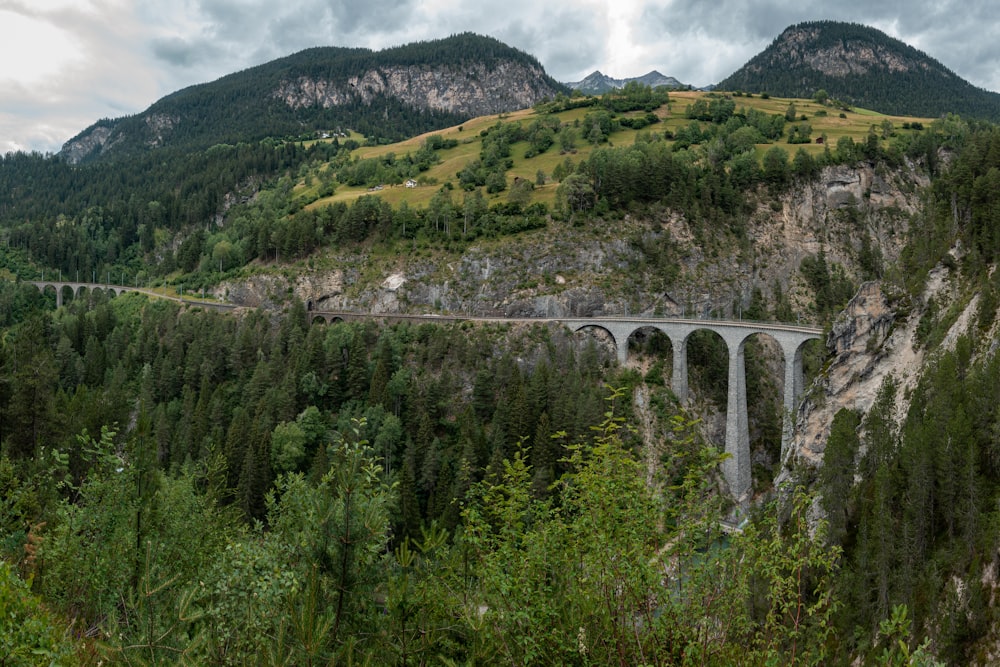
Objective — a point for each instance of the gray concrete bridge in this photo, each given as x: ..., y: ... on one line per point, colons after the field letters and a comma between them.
x: 736, y: 468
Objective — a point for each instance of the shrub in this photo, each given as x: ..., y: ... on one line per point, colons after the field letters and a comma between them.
x: 28, y: 633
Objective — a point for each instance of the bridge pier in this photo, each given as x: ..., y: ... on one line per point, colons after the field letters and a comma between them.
x: 794, y: 382
x: 736, y: 468
x: 621, y: 347
x: 679, y: 376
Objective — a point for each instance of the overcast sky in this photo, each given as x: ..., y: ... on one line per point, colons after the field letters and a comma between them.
x: 67, y: 63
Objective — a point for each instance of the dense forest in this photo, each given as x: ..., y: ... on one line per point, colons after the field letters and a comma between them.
x: 123, y: 419
x: 182, y: 486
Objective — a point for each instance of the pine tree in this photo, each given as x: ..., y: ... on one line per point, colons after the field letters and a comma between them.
x: 836, y: 477
x: 543, y: 458
x: 255, y: 477
x: 357, y: 383
x: 879, y: 428
x: 384, y: 368
x: 917, y: 461
x: 237, y: 439
x: 410, y: 512
x: 483, y: 394
x: 29, y: 412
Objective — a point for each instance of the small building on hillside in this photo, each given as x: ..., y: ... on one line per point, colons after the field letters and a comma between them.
x: 410, y: 183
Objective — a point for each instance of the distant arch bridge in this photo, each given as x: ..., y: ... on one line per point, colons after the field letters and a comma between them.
x: 77, y: 288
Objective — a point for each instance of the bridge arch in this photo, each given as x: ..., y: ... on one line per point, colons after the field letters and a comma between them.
x: 606, y: 333
x: 707, y: 351
x: 649, y: 339
x: 64, y: 292
x: 653, y: 341
x: 94, y: 293
x: 48, y: 288
x: 321, y: 317
x: 765, y: 362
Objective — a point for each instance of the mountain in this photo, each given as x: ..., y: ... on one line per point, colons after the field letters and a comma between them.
x: 860, y: 66
x: 597, y: 83
x: 389, y: 94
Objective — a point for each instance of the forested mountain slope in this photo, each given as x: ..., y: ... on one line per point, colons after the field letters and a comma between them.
x: 861, y: 66
x: 388, y: 94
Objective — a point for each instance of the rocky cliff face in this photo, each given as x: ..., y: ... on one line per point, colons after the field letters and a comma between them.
x: 836, y: 213
x: 866, y: 349
x: 870, y: 343
x: 75, y: 150
x: 797, y: 45
x: 569, y: 271
x: 475, y: 90
x: 155, y: 130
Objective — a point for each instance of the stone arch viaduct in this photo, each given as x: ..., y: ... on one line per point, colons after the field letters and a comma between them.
x: 791, y: 338
x: 78, y: 288
x: 736, y: 468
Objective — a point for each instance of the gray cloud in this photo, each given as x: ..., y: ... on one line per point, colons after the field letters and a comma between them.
x: 181, y: 53
x: 562, y: 41
x: 237, y: 34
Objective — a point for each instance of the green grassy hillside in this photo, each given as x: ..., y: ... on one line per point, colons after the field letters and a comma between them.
x: 828, y: 126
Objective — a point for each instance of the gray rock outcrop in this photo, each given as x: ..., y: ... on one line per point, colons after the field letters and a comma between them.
x: 476, y: 90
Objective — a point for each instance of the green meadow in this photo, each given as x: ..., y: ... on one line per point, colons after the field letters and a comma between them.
x: 827, y: 122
